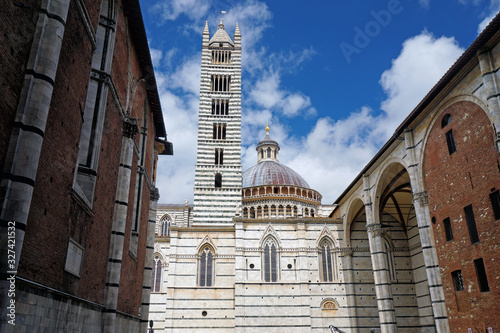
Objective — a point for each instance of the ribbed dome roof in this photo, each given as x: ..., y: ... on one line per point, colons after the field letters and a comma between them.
x: 272, y: 173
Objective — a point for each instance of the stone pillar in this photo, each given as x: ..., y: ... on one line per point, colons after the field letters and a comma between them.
x: 421, y: 203
x: 117, y: 236
x: 148, y: 268
x: 25, y: 145
x: 492, y: 91
x: 350, y: 289
x: 380, y: 266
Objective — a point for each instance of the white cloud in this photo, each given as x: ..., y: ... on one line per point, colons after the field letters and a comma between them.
x: 172, y: 9
x: 337, y: 150
x: 424, y: 3
x: 492, y: 12
x: 268, y: 93
x: 422, y: 62
x: 156, y: 56
x: 187, y: 75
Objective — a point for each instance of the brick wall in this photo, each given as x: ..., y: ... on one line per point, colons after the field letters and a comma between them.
x: 453, y: 182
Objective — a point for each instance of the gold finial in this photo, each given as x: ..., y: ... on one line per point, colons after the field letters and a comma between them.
x: 267, y: 127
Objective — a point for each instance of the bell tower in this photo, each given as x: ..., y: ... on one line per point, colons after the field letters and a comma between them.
x: 217, y: 183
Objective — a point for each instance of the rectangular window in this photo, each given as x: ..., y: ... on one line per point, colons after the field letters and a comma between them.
x: 447, y: 229
x: 495, y: 203
x: 458, y: 281
x: 471, y: 224
x: 482, y: 279
x: 450, y: 140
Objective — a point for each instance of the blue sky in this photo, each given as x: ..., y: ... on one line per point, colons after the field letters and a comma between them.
x: 333, y: 78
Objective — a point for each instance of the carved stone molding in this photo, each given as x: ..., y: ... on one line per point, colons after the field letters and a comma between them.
x: 347, y: 252
x: 376, y: 230
x: 154, y: 194
x: 422, y: 198
x: 130, y: 128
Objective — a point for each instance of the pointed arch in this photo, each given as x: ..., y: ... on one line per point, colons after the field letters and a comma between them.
x: 327, y: 259
x: 156, y: 276
x: 270, y: 259
x: 164, y: 225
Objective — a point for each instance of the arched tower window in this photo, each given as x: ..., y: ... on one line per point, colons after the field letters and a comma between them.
x: 270, y: 258
x: 269, y: 152
x: 218, y: 180
x: 327, y: 261
x: 156, y: 276
x: 206, y: 267
x: 446, y: 120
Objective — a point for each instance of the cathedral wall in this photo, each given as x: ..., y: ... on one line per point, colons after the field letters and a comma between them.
x: 64, y: 264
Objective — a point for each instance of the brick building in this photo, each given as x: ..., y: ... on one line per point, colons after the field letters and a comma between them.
x: 81, y: 132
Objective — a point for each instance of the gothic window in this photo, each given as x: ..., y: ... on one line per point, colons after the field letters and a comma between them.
x: 219, y: 156
x: 156, y: 276
x: 206, y: 271
x: 450, y: 140
x: 326, y: 261
x: 94, y: 110
x: 218, y: 180
x: 219, y: 131
x: 471, y: 224
x: 165, y: 226
x: 270, y: 258
x: 252, y: 213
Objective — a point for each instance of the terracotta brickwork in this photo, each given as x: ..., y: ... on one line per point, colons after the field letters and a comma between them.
x: 466, y: 177
x: 80, y: 296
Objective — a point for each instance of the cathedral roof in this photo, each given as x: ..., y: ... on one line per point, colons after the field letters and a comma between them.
x: 272, y: 173
x: 221, y: 36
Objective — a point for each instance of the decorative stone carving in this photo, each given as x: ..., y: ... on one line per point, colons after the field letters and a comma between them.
x: 422, y: 198
x: 347, y: 252
x: 376, y: 230
x: 130, y: 127
x: 154, y: 195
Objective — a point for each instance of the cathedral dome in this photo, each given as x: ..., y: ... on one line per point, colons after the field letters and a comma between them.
x: 268, y: 170
x: 272, y: 173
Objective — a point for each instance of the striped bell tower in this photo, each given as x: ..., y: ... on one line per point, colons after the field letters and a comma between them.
x: 217, y: 183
